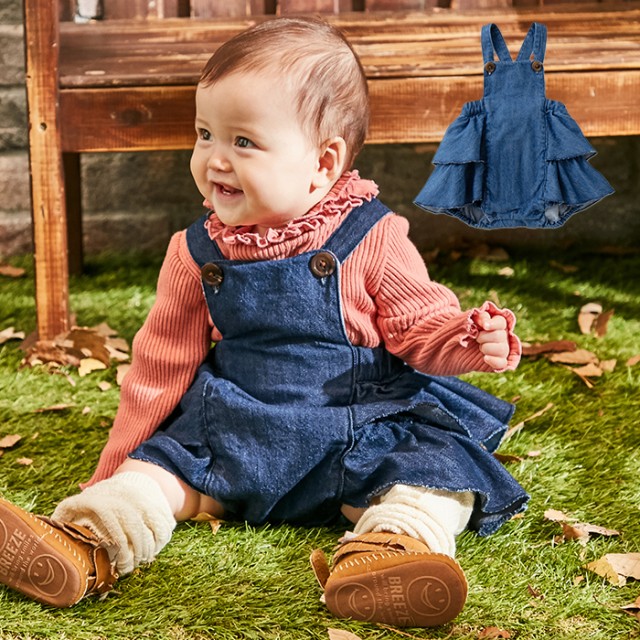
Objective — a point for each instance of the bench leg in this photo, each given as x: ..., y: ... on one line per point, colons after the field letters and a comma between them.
x: 73, y: 199
x: 50, y: 250
x: 45, y: 163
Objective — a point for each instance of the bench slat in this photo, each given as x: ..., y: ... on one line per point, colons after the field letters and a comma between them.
x: 436, y: 44
x: 407, y: 110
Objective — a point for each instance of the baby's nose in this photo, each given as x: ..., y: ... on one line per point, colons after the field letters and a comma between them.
x: 218, y: 161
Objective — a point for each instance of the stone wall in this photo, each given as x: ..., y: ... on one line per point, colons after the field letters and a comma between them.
x: 136, y: 200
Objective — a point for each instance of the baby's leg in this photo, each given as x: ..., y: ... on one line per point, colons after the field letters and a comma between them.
x: 432, y: 516
x: 135, y: 511
x: 184, y: 501
x: 120, y: 522
x: 398, y: 567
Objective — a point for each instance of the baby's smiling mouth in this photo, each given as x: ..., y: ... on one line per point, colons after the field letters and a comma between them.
x: 226, y: 190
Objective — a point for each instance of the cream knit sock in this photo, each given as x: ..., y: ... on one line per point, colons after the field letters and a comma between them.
x: 129, y: 512
x: 433, y: 516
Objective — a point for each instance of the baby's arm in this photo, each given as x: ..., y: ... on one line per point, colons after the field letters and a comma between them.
x: 166, y: 354
x: 421, y: 320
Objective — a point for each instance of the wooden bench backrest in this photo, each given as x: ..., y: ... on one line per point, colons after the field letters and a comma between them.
x: 159, y: 9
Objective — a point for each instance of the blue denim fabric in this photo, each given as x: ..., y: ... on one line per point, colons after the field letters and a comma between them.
x: 286, y: 420
x: 514, y: 158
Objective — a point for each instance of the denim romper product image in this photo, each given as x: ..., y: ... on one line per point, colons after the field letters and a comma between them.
x: 514, y: 158
x: 286, y: 420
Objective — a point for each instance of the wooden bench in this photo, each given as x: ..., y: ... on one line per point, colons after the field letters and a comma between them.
x: 127, y: 84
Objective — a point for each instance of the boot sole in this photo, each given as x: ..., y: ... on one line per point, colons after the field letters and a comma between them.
x: 36, y: 561
x: 425, y: 592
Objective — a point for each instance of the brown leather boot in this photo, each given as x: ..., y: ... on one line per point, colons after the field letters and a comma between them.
x: 52, y: 562
x: 393, y: 579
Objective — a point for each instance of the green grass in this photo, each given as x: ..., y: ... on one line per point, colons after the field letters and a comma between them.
x: 255, y: 583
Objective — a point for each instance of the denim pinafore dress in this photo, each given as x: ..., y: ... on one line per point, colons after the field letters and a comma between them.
x: 286, y: 420
x: 514, y: 158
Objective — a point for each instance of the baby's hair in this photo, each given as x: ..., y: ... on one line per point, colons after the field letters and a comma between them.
x: 315, y: 60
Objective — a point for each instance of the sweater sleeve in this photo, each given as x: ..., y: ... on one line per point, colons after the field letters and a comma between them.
x: 166, y: 353
x: 420, y: 320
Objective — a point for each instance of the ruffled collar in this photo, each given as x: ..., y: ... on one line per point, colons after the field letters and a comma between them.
x: 348, y: 192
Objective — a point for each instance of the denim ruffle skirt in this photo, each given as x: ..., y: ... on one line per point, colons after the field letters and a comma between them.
x: 286, y: 420
x: 514, y: 158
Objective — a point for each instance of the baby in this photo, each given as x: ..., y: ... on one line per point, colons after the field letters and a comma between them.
x: 329, y: 391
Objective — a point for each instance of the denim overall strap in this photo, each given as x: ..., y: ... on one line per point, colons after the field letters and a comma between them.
x: 354, y: 228
x: 201, y: 247
x: 534, y: 44
x: 492, y: 40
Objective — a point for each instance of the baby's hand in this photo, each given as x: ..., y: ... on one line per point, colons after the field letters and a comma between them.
x: 493, y: 340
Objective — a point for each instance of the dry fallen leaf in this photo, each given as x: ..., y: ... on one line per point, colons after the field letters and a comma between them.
x: 493, y: 632
x: 44, y: 351
x: 24, y: 461
x: 608, y: 366
x: 11, y: 272
x: 548, y: 347
x: 105, y: 330
x: 9, y: 441
x: 90, y: 343
x: 79, y: 344
x: 565, y: 268
x: 214, y: 522
x: 117, y: 355
x: 590, y: 370
x: 54, y: 407
x: 601, y: 324
x: 574, y: 530
x: 341, y: 634
x: 633, y: 361
x: 591, y: 319
x: 485, y: 252
x: 119, y: 344
x: 10, y: 334
x: 556, y: 516
x: 617, y: 567
x: 587, y: 316
x: 87, y: 365
x: 104, y: 385
x: 579, y: 356
x: 121, y: 372
x: 506, y: 272
x: 633, y: 609
x: 584, y: 379
x: 506, y: 458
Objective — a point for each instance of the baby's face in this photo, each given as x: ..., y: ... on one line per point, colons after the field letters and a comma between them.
x: 252, y: 160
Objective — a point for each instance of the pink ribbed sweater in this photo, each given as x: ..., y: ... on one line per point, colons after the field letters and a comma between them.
x: 387, y: 297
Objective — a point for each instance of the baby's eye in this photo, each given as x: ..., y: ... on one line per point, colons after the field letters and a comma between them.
x: 203, y: 134
x: 241, y: 141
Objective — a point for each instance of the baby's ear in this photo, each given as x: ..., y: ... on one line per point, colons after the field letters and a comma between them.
x: 331, y: 162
